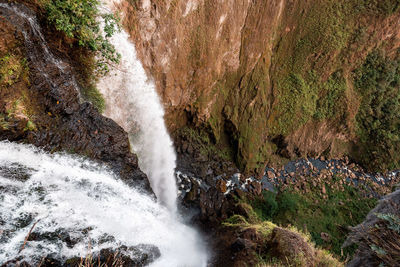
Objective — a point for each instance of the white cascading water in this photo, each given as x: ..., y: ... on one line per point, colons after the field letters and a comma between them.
x: 63, y: 193
x: 132, y: 101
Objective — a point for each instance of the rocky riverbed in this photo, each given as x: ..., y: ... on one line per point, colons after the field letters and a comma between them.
x: 303, y: 175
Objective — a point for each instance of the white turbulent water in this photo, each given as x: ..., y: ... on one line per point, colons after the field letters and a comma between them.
x: 70, y: 194
x: 132, y: 101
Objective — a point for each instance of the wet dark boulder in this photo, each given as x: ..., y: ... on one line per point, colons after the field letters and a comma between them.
x: 214, y: 206
x: 140, y: 255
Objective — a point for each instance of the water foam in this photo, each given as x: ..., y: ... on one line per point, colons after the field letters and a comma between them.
x: 65, y: 193
x: 132, y: 101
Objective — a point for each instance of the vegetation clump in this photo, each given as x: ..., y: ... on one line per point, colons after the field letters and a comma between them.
x: 12, y: 68
x: 378, y: 120
x: 80, y: 20
x: 14, y: 74
x: 279, y: 246
x: 87, y: 28
x: 325, y: 217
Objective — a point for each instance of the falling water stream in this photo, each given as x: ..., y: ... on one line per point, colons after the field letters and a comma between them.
x: 74, y: 206
x: 132, y: 101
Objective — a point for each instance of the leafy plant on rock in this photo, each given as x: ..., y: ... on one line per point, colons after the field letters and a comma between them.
x: 83, y: 21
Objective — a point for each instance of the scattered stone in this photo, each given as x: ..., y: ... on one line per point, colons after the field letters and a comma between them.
x: 221, y: 185
x: 323, y: 190
x: 326, y: 237
x: 314, y: 183
x: 270, y: 175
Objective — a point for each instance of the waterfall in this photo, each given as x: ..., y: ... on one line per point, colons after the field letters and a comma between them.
x: 132, y: 101
x: 67, y: 195
x: 73, y: 206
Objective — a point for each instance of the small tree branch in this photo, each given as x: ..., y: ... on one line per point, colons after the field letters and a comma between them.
x: 27, y: 237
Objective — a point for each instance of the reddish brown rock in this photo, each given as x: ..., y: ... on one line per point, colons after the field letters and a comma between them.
x: 256, y: 187
x: 270, y: 175
x: 221, y: 185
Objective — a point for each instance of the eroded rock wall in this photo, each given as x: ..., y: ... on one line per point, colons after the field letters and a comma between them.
x: 269, y: 78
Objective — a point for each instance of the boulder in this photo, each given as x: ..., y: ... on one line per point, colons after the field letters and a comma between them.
x: 287, y: 245
x: 221, y: 185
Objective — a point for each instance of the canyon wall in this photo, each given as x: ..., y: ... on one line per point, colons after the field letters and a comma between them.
x: 269, y: 79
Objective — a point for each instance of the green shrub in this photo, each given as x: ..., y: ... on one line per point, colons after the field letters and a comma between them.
x: 91, y: 94
x: 266, y: 206
x: 80, y: 20
x: 393, y: 221
x: 378, y: 118
x: 288, y: 201
x: 332, y: 104
x: 315, y: 214
x: 384, y: 7
x: 4, y: 125
x: 235, y: 220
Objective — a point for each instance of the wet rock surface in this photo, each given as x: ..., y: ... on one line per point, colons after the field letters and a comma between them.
x: 61, y: 121
x: 216, y: 65
x: 140, y: 255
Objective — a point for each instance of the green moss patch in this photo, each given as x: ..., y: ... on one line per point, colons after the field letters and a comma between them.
x: 12, y: 69
x: 201, y: 142
x: 304, y: 99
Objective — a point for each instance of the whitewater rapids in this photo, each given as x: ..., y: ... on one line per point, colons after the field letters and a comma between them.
x: 65, y: 193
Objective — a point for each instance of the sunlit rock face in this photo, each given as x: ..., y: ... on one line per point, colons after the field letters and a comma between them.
x: 226, y: 65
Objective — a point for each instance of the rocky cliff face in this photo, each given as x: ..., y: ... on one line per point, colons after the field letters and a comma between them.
x: 40, y: 100
x: 270, y: 79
